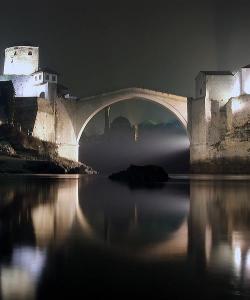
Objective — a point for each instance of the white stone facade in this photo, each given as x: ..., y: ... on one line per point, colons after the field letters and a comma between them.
x: 21, y: 60
x: 21, y: 66
x: 222, y: 86
x: 219, y: 122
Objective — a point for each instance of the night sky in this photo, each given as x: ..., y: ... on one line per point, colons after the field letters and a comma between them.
x: 100, y: 46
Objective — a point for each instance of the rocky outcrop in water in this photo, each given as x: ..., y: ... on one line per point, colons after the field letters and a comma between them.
x: 138, y: 175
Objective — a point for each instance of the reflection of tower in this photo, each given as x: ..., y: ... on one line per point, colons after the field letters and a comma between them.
x: 199, y: 244
x: 107, y: 120
x: 136, y: 132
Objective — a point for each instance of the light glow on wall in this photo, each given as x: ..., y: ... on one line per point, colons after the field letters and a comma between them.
x: 237, y: 257
x: 247, y: 86
x: 30, y: 90
x: 236, y: 87
x: 20, y: 68
x: 237, y: 105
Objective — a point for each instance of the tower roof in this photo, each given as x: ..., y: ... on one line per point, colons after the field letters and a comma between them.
x: 47, y: 70
x: 217, y: 72
x: 22, y: 44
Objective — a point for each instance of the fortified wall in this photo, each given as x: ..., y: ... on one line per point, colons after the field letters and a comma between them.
x: 50, y: 121
x: 43, y: 107
x: 219, y: 123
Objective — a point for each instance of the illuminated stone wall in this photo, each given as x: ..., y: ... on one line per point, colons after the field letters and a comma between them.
x: 36, y: 117
x: 44, y: 126
x: 21, y: 60
x: 219, y: 125
x: 50, y: 121
x: 24, y: 86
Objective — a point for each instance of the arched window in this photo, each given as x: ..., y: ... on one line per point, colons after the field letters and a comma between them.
x: 30, y: 53
x: 42, y: 95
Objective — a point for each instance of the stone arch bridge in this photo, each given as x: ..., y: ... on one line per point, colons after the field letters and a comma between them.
x: 72, y: 116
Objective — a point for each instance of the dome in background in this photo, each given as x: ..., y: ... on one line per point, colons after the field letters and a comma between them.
x: 120, y: 123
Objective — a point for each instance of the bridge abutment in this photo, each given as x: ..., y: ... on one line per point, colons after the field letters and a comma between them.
x: 68, y: 151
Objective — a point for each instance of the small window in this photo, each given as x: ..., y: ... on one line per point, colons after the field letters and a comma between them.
x: 35, y: 78
x: 15, y: 53
x: 30, y: 53
x: 40, y: 77
x: 47, y: 77
x: 42, y: 95
x: 53, y: 77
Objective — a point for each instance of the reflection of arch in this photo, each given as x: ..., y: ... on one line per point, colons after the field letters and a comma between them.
x: 42, y: 95
x: 53, y: 222
x: 137, y: 226
x: 87, y: 108
x: 176, y: 245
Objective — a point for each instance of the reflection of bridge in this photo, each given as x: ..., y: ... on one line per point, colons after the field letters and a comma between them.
x: 73, y: 116
x: 215, y: 237
x: 200, y: 237
x: 53, y: 223
x: 53, y: 211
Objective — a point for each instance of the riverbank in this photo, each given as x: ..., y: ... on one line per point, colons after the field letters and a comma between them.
x: 23, y: 154
x: 15, y: 165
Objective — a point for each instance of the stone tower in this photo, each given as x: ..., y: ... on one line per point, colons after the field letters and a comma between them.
x: 21, y: 60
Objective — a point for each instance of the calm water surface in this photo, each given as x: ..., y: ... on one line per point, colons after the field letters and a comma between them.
x: 89, y: 238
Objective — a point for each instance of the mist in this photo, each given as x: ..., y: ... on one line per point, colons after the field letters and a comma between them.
x: 140, y: 133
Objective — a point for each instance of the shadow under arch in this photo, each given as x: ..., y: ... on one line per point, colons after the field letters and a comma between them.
x: 175, y: 104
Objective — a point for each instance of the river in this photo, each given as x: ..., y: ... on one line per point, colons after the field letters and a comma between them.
x: 65, y: 236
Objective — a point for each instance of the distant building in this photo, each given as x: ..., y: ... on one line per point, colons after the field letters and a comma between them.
x: 121, y: 130
x: 120, y: 124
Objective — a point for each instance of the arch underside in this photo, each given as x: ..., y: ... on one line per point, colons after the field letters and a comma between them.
x: 90, y: 107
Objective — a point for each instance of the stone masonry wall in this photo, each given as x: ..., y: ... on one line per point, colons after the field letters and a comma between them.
x: 226, y: 148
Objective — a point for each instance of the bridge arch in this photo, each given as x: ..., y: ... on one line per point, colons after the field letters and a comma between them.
x: 87, y: 108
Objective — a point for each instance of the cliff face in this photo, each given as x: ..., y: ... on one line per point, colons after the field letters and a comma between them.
x: 20, y: 153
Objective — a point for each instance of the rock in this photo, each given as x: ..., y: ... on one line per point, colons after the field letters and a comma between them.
x: 61, y: 166
x: 141, y: 175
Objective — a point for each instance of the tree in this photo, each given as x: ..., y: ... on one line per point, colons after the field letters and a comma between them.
x: 7, y: 100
